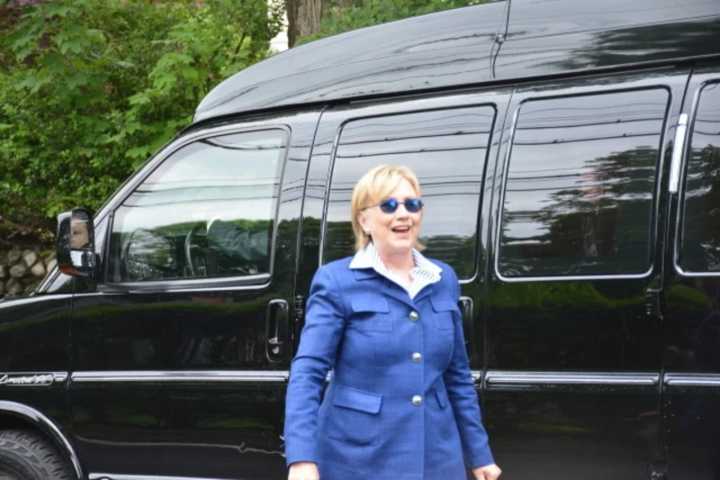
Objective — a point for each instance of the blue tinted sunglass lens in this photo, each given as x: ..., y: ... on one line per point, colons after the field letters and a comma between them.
x: 389, y: 205
x: 413, y: 205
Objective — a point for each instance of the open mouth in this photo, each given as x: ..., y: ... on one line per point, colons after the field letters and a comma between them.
x: 401, y: 229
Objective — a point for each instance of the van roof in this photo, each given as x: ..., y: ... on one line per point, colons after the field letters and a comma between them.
x: 504, y: 40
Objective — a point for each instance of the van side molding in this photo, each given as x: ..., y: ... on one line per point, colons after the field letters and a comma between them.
x: 513, y: 380
x: 46, y: 425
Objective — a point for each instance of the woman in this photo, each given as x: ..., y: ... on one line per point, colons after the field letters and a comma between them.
x: 401, y: 404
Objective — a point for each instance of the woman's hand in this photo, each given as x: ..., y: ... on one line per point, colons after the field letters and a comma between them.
x: 303, y: 471
x: 488, y: 472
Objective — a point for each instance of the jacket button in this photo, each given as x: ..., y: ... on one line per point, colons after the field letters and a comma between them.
x: 416, y: 357
x: 417, y: 400
x: 414, y: 316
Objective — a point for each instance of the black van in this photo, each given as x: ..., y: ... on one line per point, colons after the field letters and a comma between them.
x: 570, y: 157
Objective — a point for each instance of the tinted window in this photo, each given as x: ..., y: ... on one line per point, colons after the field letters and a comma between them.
x: 700, y: 247
x: 446, y: 149
x: 579, y: 192
x: 207, y: 211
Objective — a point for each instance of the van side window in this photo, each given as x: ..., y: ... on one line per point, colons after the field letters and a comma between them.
x: 207, y: 211
x: 700, y: 236
x: 580, y: 185
x: 446, y: 149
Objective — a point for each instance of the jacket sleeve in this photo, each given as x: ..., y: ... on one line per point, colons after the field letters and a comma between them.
x: 463, y: 397
x: 324, y: 325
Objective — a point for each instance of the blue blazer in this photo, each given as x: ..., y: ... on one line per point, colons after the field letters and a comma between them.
x: 401, y: 404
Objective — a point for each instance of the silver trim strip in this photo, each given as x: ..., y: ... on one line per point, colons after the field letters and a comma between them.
x: 692, y: 380
x: 220, y: 376
x: 497, y: 377
x: 690, y: 274
x: 678, y: 150
x: 193, y: 284
x: 120, y: 476
x: 572, y: 278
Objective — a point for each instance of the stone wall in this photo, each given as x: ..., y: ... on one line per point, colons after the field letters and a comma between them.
x: 22, y: 270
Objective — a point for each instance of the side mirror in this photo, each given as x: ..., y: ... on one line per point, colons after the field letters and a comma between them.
x: 75, y: 243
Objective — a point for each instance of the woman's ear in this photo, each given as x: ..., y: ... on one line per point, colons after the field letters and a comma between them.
x: 364, y: 222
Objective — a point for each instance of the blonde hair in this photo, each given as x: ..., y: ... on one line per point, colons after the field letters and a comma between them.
x: 373, y: 187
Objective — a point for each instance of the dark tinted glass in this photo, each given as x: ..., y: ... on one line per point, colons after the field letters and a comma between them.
x: 446, y: 149
x: 579, y: 192
x: 207, y: 211
x: 700, y: 248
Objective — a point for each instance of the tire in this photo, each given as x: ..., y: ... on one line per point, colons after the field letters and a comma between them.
x: 26, y: 455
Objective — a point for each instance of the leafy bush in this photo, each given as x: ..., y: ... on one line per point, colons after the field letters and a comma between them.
x: 90, y: 88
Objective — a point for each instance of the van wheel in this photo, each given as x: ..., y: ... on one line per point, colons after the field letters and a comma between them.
x: 25, y: 455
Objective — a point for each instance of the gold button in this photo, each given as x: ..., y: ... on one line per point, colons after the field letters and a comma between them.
x: 414, y: 316
x: 417, y: 400
x: 416, y: 357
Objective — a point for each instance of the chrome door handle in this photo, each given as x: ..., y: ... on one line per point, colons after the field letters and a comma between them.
x: 276, y: 329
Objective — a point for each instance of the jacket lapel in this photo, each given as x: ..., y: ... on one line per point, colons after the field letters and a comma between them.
x: 425, y: 293
x: 384, y: 286
x: 364, y: 274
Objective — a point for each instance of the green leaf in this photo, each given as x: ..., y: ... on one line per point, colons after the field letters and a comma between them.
x: 89, y: 89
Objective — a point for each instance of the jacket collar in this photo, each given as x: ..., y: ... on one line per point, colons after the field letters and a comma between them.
x: 368, y: 257
x: 366, y: 264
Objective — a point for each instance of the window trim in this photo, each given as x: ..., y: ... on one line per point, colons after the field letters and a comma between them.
x: 656, y: 191
x: 685, y: 163
x: 493, y: 105
x: 189, y: 284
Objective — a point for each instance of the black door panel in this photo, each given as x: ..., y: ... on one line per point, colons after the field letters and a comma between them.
x: 692, y: 292
x: 173, y: 365
x: 573, y: 349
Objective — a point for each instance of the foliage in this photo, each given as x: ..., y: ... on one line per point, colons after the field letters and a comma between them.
x: 90, y: 88
x: 341, y: 16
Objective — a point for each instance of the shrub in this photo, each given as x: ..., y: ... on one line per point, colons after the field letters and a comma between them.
x: 90, y: 88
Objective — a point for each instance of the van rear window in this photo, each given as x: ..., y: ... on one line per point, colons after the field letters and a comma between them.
x: 446, y: 149
x: 580, y: 186
x: 700, y: 236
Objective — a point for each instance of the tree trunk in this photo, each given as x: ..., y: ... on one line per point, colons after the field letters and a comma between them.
x: 303, y: 18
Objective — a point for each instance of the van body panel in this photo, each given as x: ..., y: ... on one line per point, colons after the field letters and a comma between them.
x: 543, y: 40
x: 450, y: 48
x: 573, y: 351
x: 692, y: 292
x: 34, y: 340
x: 542, y: 133
x: 44, y: 322
x: 180, y: 375
x: 394, y: 130
x: 470, y: 46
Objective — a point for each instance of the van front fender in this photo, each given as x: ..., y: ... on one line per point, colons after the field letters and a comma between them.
x: 47, y: 426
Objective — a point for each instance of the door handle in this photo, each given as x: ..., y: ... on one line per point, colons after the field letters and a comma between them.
x: 466, y: 310
x: 276, y: 329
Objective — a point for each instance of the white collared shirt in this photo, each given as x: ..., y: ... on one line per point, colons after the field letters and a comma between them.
x: 423, y: 274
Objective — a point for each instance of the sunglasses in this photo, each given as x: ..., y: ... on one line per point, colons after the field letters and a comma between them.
x: 412, y: 205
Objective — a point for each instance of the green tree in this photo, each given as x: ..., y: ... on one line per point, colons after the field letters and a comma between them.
x: 343, y: 15
x: 89, y: 89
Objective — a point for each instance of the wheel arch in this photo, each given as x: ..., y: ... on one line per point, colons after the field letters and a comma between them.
x: 18, y: 415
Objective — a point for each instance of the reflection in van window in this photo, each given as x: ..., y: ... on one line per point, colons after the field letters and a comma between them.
x: 700, y: 238
x: 207, y: 211
x: 457, y: 139
x: 580, y: 185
